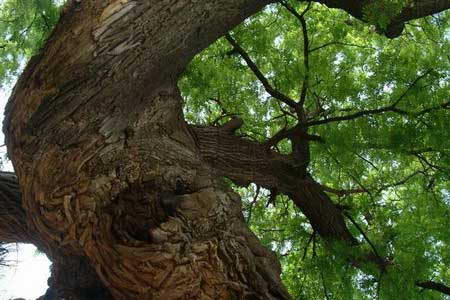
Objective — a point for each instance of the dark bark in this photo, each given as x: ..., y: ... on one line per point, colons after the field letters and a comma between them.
x: 246, y: 162
x: 73, y: 278
x: 97, y: 137
x: 436, y: 286
x: 414, y: 10
x: 14, y: 228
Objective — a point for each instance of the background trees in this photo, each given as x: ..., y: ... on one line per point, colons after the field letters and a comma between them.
x: 357, y: 124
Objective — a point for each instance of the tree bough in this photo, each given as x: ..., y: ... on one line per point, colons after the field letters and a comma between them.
x: 97, y: 136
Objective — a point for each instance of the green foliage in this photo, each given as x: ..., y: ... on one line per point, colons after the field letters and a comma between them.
x: 402, y: 158
x: 24, y: 26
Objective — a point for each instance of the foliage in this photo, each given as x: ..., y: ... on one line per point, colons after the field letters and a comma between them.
x: 399, y: 159
x: 24, y: 26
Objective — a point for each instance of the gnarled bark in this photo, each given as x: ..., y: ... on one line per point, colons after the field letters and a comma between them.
x: 114, y: 179
x: 98, y: 150
x: 71, y: 277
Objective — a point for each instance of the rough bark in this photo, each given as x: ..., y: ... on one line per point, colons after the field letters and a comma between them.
x: 246, y: 162
x: 114, y: 179
x: 72, y: 277
x: 98, y: 149
x: 14, y: 228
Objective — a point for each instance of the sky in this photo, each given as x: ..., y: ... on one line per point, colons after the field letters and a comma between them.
x: 28, y: 277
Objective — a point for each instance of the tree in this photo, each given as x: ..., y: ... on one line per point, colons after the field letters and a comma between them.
x: 313, y: 109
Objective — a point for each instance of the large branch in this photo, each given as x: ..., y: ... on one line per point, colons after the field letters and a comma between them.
x: 107, y: 53
x: 436, y: 286
x: 417, y: 9
x: 246, y: 162
x: 13, y: 220
x: 414, y: 10
x: 73, y: 277
x: 70, y: 274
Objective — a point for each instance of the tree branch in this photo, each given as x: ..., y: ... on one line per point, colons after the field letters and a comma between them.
x: 345, y: 192
x: 374, y: 249
x: 436, y: 286
x: 341, y: 44
x: 415, y: 9
x: 342, y: 192
x: 255, y: 198
x: 246, y: 162
x: 13, y: 219
x: 390, y: 108
x: 305, y: 251
x: 267, y: 86
x: 445, y: 105
x: 302, y: 21
x: 398, y: 183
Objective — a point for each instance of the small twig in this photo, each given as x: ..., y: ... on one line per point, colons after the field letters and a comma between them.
x: 314, y: 246
x: 400, y: 182
x: 367, y: 161
x: 341, y: 44
x: 305, y: 251
x: 444, y: 105
x: 249, y: 217
x: 324, y: 286
x: 363, y: 234
x: 44, y: 17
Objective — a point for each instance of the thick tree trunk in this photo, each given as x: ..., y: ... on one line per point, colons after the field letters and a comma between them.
x: 108, y: 168
x: 114, y: 180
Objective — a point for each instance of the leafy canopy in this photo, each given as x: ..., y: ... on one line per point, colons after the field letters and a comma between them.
x: 24, y: 26
x: 390, y: 166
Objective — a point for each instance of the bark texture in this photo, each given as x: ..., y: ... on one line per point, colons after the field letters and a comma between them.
x: 71, y: 277
x: 116, y: 185
x: 14, y: 228
x: 101, y: 149
x: 244, y: 162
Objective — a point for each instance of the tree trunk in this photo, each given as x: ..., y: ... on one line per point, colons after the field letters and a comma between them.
x: 116, y: 185
x: 110, y: 171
